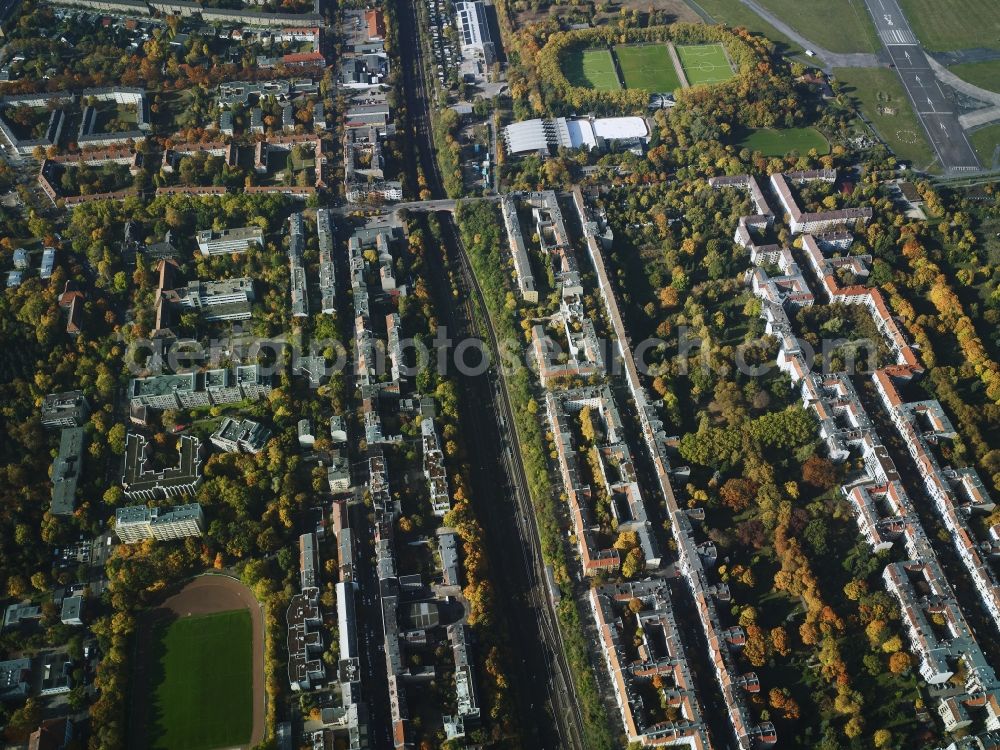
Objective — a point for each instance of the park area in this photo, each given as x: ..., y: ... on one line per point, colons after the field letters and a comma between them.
x: 962, y: 24
x: 647, y: 66
x: 591, y: 69
x: 704, y: 63
x: 197, y: 681
x: 778, y: 142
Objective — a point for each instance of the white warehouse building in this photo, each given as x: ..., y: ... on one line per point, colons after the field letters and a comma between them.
x: 474, y: 27
x: 543, y: 136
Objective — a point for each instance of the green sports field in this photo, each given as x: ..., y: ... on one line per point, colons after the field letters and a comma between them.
x: 778, y: 142
x: 591, y: 69
x: 704, y: 63
x: 647, y: 67
x: 204, y: 669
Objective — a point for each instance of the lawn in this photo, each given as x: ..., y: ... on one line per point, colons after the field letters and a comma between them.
x: 591, y: 69
x: 205, y: 691
x: 704, y: 63
x: 986, y: 75
x: 837, y: 25
x: 964, y: 24
x: 778, y: 142
x: 736, y: 13
x: 884, y: 102
x: 647, y: 67
x: 985, y: 141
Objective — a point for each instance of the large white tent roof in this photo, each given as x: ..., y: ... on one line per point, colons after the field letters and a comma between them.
x: 620, y: 128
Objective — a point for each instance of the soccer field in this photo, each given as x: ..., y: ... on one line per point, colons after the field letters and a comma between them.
x: 647, y: 67
x: 591, y: 69
x: 778, y: 142
x: 704, y: 63
x: 203, y: 669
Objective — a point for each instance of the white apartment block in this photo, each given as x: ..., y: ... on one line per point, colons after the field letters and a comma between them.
x: 236, y: 240
x: 163, y: 524
x: 434, y: 470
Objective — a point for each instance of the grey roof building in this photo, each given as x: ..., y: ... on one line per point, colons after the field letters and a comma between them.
x: 72, y: 610
x: 467, y: 713
x: 306, y: 437
x: 48, y: 263
x: 227, y: 299
x: 17, y: 613
x: 193, y: 389
x: 142, y: 482
x: 66, y: 471
x: 448, y: 545
x: 69, y: 409
x: 235, y: 240
x: 296, y: 244
x: 14, y: 676
x: 327, y: 274
x: 240, y: 435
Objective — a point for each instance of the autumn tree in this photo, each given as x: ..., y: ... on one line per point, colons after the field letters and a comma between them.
x: 737, y: 493
x: 755, y: 649
x: 899, y: 663
x: 779, y: 641
x: 633, y: 564
x: 819, y: 472
x: 882, y: 738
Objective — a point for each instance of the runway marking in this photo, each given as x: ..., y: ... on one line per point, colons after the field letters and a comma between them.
x: 897, y: 37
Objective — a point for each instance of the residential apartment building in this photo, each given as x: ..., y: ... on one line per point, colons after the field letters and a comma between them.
x: 296, y: 246
x: 661, y: 656
x: 66, y: 470
x: 802, y: 221
x: 228, y: 299
x: 235, y: 240
x: 722, y: 641
x: 140, y: 481
x: 327, y: 271
x: 240, y: 436
x: 434, y: 470
x: 137, y: 523
x: 467, y: 714
x: 69, y: 409
x: 306, y: 669
x: 194, y: 389
x: 518, y: 251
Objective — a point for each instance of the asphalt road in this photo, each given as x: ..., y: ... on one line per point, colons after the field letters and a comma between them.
x: 934, y: 109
